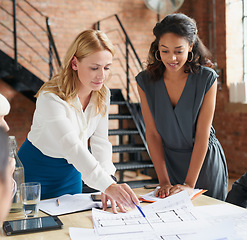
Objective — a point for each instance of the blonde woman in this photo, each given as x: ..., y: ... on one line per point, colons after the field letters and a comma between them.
x: 71, y: 109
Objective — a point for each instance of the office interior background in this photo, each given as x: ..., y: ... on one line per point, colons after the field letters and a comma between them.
x: 27, y: 45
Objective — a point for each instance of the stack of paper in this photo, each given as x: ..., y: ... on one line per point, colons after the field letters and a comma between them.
x: 150, y: 197
x: 174, y: 218
x: 68, y: 204
x: 222, y: 212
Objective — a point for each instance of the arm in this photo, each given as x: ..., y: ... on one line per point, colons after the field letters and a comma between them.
x: 119, y: 194
x: 200, y: 148
x: 100, y: 145
x: 155, y: 145
x: 59, y: 137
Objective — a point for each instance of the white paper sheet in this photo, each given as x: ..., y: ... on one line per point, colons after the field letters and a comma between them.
x: 68, y: 204
x: 89, y: 234
x: 226, y: 212
x: 77, y: 233
x: 172, y: 218
x: 213, y: 233
x: 151, y: 195
x: 174, y: 214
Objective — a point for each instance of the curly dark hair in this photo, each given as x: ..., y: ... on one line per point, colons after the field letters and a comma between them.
x: 185, y: 27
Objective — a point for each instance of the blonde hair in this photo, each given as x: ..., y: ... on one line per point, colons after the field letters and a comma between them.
x: 64, y: 83
x: 4, y: 106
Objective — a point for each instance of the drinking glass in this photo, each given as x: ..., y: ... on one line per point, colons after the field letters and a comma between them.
x: 30, y: 196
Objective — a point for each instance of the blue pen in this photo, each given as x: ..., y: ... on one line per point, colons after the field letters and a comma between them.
x: 140, y: 209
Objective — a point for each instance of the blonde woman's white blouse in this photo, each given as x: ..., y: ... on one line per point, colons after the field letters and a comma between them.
x: 62, y: 130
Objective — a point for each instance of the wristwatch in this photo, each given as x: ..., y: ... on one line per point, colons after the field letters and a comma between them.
x: 114, y: 178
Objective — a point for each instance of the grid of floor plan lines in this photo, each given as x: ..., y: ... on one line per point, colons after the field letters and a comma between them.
x: 168, y: 216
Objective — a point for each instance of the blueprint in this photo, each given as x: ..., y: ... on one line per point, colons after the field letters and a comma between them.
x: 172, y: 218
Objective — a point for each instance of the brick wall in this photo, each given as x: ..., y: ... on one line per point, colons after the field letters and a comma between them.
x: 68, y: 18
x: 21, y: 112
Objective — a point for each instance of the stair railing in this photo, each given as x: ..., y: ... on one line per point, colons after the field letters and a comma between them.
x: 128, y: 53
x: 51, y: 58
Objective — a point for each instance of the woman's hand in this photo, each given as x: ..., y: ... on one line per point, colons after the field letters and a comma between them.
x: 114, y: 204
x: 122, y: 195
x: 178, y: 188
x: 163, y: 191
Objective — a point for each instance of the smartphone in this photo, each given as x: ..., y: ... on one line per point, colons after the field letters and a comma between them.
x: 151, y: 186
x: 32, y: 225
x: 96, y: 197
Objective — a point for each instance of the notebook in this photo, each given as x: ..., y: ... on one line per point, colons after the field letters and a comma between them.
x: 69, y: 203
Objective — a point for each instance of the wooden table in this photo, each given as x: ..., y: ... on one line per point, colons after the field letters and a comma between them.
x: 82, y: 220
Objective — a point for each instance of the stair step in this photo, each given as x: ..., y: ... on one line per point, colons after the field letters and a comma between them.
x: 118, y: 116
x: 132, y: 184
x: 116, y: 95
x: 118, y: 102
x: 122, y: 132
x: 128, y: 148
x: 133, y: 165
x: 140, y: 183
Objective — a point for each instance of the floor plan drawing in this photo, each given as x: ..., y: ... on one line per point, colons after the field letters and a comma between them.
x: 161, y: 214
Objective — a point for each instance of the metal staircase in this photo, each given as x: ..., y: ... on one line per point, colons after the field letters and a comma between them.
x: 133, y: 155
x: 129, y: 147
x: 16, y: 67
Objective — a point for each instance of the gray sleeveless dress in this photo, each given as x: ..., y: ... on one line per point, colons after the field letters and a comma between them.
x: 177, y: 128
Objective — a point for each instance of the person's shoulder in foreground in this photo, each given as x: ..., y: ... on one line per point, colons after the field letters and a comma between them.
x: 238, y: 194
x: 7, y: 166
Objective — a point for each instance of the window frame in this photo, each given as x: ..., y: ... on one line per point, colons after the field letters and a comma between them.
x: 244, y: 21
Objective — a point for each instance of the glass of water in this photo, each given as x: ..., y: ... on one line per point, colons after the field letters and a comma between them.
x: 30, y: 196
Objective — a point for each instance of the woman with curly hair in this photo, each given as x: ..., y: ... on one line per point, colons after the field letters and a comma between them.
x: 178, y: 95
x: 71, y: 109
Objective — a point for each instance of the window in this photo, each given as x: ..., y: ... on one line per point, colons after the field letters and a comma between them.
x: 236, y: 49
x: 245, y: 39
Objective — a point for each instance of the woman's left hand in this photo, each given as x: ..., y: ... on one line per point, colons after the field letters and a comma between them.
x: 114, y: 204
x: 178, y: 188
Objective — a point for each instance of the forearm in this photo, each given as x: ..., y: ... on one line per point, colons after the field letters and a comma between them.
x: 101, y: 147
x: 154, y: 141
x: 102, y: 151
x: 156, y: 151
x: 203, y: 126
x: 197, y: 159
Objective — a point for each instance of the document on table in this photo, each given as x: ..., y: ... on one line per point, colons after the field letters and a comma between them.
x: 170, y: 210
x: 69, y: 204
x: 171, y: 218
x: 77, y: 233
x: 150, y: 197
x: 89, y: 234
x: 212, y: 233
x: 222, y: 212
